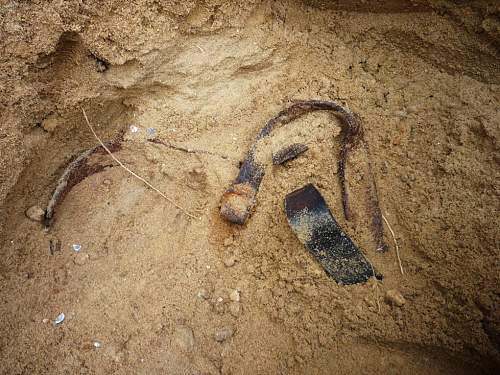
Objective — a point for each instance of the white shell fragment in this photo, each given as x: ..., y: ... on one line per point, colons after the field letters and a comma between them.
x: 134, y: 129
x: 59, y: 319
x: 97, y: 344
x: 76, y: 247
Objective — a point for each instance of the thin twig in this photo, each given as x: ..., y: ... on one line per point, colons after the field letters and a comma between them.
x: 395, y: 243
x: 131, y: 172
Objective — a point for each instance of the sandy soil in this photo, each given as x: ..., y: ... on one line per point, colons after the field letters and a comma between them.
x: 159, y: 292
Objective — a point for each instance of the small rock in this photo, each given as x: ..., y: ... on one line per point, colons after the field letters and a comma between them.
x: 97, y: 344
x: 107, y: 182
x: 76, y: 247
x: 235, y: 309
x: 45, y: 321
x: 35, y: 213
x: 80, y: 259
x: 229, y: 261
x: 235, y: 296
x: 184, y: 338
x: 203, y: 294
x: 223, y: 334
x: 394, y: 297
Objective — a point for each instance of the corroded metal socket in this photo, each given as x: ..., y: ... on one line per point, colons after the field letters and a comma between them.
x: 238, y: 202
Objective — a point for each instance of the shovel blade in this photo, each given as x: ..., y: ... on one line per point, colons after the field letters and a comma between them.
x: 311, y: 220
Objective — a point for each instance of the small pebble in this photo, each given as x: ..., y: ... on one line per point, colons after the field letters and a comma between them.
x: 76, y: 247
x: 235, y: 309
x: 394, y: 297
x: 223, y: 334
x: 97, y: 344
x: 45, y: 321
x: 184, y: 338
x: 229, y: 261
x: 80, y: 259
x: 107, y: 182
x: 134, y: 129
x: 235, y: 296
x: 35, y: 213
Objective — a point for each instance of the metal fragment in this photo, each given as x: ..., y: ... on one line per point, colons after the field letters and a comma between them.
x: 288, y: 153
x: 76, y: 171
x: 311, y: 220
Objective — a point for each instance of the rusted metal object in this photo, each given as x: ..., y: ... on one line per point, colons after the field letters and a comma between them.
x: 76, y: 171
x: 289, y: 153
x: 252, y: 172
x: 311, y: 220
x: 238, y: 202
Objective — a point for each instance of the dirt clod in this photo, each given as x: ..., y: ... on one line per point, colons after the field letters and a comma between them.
x: 394, y: 297
x: 51, y: 123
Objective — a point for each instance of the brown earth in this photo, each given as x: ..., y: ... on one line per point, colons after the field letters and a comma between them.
x: 155, y: 287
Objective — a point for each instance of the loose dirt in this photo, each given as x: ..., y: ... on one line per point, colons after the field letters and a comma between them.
x: 153, y: 291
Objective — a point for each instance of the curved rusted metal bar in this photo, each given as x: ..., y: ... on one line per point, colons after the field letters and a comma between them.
x: 239, y: 199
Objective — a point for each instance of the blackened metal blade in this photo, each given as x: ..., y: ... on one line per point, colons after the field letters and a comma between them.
x: 313, y: 223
